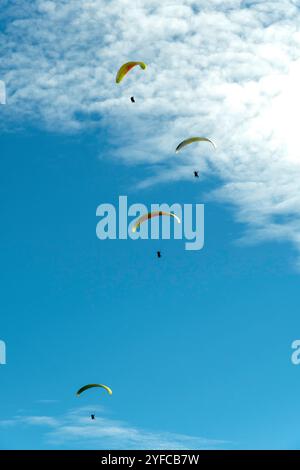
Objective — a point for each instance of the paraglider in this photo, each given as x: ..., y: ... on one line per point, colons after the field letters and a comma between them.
x: 194, y: 139
x: 86, y: 387
x: 132, y: 99
x: 150, y: 215
x: 125, y: 68
x: 158, y: 254
x: 196, y: 174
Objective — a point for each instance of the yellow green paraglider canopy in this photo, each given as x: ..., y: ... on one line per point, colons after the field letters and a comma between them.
x: 86, y: 387
x: 194, y: 139
x: 124, y: 69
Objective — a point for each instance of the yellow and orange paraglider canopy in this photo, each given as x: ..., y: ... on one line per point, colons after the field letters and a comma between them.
x: 124, y: 69
x: 148, y: 216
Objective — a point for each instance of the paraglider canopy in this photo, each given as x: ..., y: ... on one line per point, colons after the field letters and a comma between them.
x: 194, y: 139
x: 124, y: 69
x: 148, y: 216
x: 86, y: 387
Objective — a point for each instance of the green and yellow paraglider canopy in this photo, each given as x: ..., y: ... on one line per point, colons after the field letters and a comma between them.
x: 86, y: 387
x: 124, y: 69
x: 194, y: 139
x: 148, y: 216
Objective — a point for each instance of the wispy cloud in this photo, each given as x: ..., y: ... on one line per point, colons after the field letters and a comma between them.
x: 30, y: 420
x: 229, y: 70
x: 76, y: 429
x: 39, y: 421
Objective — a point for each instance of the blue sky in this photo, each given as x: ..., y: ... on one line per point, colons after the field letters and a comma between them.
x: 196, y: 346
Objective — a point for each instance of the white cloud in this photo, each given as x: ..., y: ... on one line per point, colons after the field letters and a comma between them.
x: 76, y: 429
x: 29, y: 420
x: 226, y: 69
x: 39, y: 420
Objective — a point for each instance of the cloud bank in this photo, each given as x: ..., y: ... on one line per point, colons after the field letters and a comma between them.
x: 76, y: 430
x: 229, y: 70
